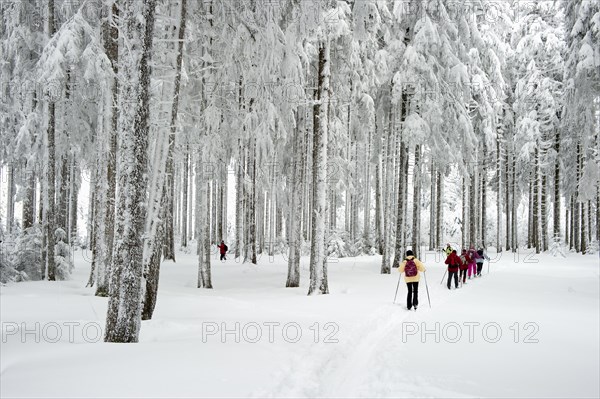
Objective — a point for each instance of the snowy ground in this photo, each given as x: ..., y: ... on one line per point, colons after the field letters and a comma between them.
x: 529, y: 328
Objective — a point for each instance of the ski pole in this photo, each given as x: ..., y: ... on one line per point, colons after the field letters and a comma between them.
x: 398, y: 285
x: 427, y: 289
x: 488, y: 267
x: 443, y: 277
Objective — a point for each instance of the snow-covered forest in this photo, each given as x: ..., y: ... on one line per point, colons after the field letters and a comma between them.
x: 317, y: 128
x: 319, y: 140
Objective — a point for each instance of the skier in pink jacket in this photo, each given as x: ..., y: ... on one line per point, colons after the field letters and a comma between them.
x: 472, y: 262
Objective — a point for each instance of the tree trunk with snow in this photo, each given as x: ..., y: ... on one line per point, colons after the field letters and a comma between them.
x: 515, y: 205
x: 387, y: 194
x: 169, y: 243
x: 416, y: 210
x: 544, y: 214
x: 483, y: 205
x: 10, y: 200
x: 295, y: 210
x: 126, y: 290
x: 318, y: 265
x: 204, y: 244
x: 472, y: 209
x: 439, y: 210
x: 50, y: 216
x: 507, y: 198
x: 400, y: 205
x: 432, y: 203
x: 239, y: 195
x: 184, y: 205
x: 576, y: 214
x: 29, y: 199
x: 499, y: 194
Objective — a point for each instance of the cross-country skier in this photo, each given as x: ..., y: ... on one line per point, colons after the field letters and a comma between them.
x: 223, y: 249
x: 411, y: 267
x: 448, y: 250
x: 453, y: 262
x: 472, y: 262
x: 481, y: 257
x: 464, y: 265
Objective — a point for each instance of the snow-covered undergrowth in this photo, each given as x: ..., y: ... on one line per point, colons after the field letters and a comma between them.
x: 529, y: 328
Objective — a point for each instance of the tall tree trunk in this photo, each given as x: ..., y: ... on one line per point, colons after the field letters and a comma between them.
x: 582, y: 231
x: 213, y: 209
x: 432, y: 203
x: 295, y: 210
x: 401, y: 204
x: 252, y: 204
x: 378, y: 200
x: 589, y: 222
x: 239, y: 213
x: 472, y: 209
x: 598, y: 214
x: 416, y: 214
x: 152, y: 265
x: 73, y: 200
x: 536, y: 202
x: 29, y: 199
x: 572, y: 223
x: 222, y: 178
x: 387, y: 200
x: 164, y: 240
x: 367, y: 195
x: 169, y: 244
x: 50, y: 186
x: 576, y: 214
x: 184, y: 205
x: 133, y: 166
x: 204, y: 272
x: 10, y: 200
x: 111, y: 48
x: 507, y: 198
x: 499, y: 194
x: 439, y: 209
x: 223, y: 231
x: 402, y: 183
x: 556, y: 207
x: 544, y: 214
x: 515, y: 204
x: 93, y: 223
x: 98, y: 269
x: 50, y: 178
x: 530, y: 209
x: 318, y: 265
x: 483, y: 205
x: 567, y: 223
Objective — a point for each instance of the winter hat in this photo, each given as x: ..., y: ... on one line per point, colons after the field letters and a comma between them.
x: 409, y: 253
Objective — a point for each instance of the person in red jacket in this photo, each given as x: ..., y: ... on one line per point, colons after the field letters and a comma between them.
x: 223, y: 249
x: 453, y: 262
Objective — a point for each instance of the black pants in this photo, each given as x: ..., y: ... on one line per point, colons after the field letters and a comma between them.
x: 455, y: 275
x: 479, y: 267
x: 223, y: 257
x: 412, y: 299
x: 463, y: 275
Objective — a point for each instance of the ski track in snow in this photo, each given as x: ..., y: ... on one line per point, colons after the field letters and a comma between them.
x: 346, y: 369
x: 327, y: 368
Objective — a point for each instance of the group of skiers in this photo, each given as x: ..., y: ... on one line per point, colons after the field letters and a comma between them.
x: 469, y: 263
